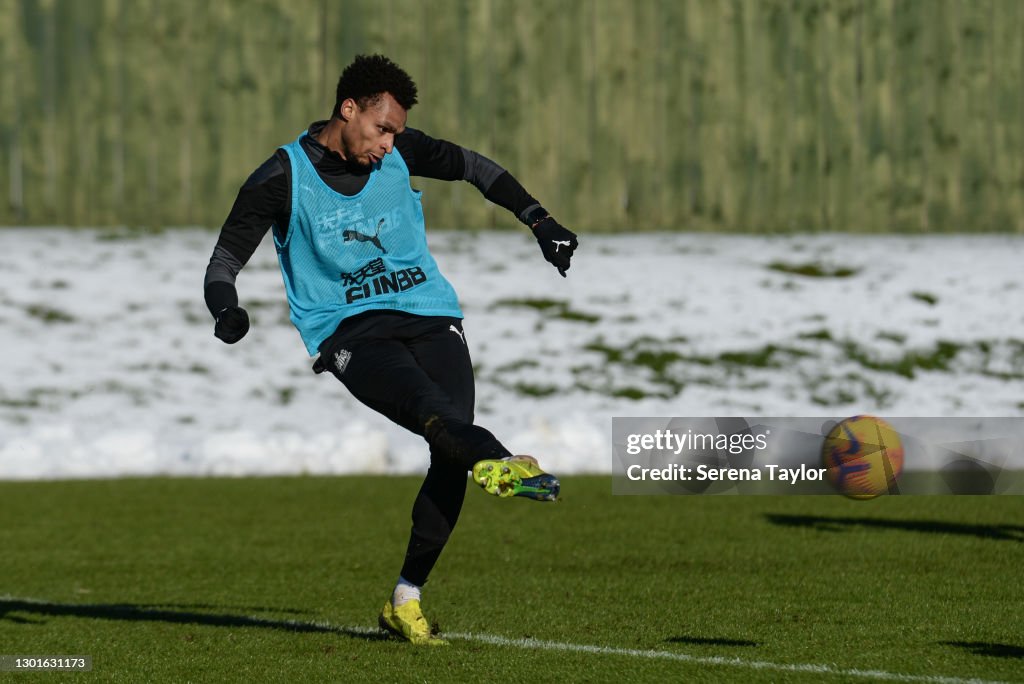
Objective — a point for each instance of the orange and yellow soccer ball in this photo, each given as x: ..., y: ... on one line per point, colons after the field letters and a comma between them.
x: 863, y: 456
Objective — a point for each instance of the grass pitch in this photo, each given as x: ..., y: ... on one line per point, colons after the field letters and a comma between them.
x: 282, y: 579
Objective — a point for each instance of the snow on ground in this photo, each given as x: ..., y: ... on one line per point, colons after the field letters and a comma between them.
x: 110, y: 366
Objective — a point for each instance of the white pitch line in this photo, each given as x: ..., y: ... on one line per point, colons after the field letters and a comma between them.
x: 543, y: 645
x: 710, y: 660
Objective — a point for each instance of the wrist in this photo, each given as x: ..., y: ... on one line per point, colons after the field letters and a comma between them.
x: 536, y: 217
x: 220, y: 296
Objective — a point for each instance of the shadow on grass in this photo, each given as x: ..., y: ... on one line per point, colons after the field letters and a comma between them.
x: 985, y: 648
x: 208, y: 606
x: 702, y: 641
x: 826, y: 524
x: 29, y: 609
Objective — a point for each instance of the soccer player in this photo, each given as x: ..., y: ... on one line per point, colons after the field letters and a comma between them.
x: 369, y: 301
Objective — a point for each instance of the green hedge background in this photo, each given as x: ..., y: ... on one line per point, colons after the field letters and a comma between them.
x: 716, y: 115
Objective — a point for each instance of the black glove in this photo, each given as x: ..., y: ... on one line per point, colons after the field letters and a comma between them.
x: 556, y: 242
x: 232, y: 324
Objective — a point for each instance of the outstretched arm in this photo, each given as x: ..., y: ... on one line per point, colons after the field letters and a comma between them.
x: 261, y: 202
x: 435, y: 158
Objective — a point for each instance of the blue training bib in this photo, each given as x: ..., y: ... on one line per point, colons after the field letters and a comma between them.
x: 344, y: 254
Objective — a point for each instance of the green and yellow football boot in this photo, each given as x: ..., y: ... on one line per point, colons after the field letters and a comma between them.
x: 516, y: 476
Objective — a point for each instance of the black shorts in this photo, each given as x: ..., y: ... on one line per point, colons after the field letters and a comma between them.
x: 409, y: 368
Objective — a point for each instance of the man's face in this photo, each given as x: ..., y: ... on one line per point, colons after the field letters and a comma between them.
x: 370, y: 133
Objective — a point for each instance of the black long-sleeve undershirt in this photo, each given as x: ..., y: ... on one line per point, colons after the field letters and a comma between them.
x: 264, y: 200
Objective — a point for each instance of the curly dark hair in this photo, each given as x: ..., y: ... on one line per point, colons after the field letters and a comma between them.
x: 368, y: 77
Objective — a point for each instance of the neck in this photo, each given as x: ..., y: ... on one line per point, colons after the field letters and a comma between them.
x: 330, y: 136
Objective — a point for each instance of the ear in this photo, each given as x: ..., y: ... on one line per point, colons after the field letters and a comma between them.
x: 347, y: 109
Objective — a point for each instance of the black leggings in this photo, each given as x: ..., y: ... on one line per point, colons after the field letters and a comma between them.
x: 416, y: 371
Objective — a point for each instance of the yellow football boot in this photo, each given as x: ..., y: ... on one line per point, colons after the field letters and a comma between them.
x: 407, y: 622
